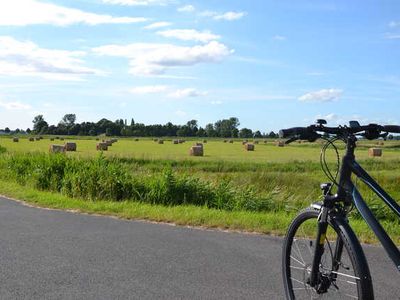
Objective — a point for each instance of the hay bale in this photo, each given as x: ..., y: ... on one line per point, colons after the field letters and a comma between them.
x: 57, y: 137
x: 101, y: 147
x: 136, y: 140
x: 114, y: 141
x: 160, y: 142
x: 204, y: 141
x: 225, y: 141
x: 97, y: 139
x: 15, y: 140
x: 57, y: 149
x: 375, y: 152
x: 196, y: 151
x: 156, y: 140
x: 52, y: 139
x: 70, y: 146
x: 181, y: 141
x: 199, y: 145
x: 31, y: 139
x: 256, y: 142
x: 37, y: 138
x: 230, y: 141
x: 175, y: 142
x: 108, y: 143
x: 249, y: 147
x: 40, y: 138
x: 265, y: 141
x: 61, y: 139
x: 244, y: 142
x: 381, y: 143
x: 280, y: 143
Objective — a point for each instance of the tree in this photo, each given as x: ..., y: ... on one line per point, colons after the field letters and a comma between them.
x: 258, y: 134
x: 390, y: 137
x: 7, y: 130
x: 210, y: 131
x: 245, y: 133
x: 39, y: 124
x: 68, y: 120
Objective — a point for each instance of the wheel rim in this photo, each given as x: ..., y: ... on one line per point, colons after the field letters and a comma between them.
x: 335, y: 284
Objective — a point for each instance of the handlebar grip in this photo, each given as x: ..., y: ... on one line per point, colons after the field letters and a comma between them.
x: 290, y: 132
x: 391, y: 128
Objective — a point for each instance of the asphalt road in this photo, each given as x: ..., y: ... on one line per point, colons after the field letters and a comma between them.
x: 46, y: 254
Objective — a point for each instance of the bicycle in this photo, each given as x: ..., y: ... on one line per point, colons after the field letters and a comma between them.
x: 332, y: 262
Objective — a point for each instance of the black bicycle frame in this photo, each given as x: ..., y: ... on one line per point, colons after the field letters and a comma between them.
x: 387, y: 243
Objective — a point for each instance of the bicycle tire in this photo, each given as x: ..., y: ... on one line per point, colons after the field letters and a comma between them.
x: 360, y: 282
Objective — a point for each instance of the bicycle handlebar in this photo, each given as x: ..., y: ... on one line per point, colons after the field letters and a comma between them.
x: 311, y: 133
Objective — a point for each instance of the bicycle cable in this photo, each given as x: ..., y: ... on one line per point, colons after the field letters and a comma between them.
x: 323, y: 162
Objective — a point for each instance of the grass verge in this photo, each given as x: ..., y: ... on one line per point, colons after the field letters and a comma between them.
x: 187, y: 215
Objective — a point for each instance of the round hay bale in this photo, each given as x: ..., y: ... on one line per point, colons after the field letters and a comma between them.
x: 101, y: 147
x: 204, y: 141
x: 375, y: 152
x: 108, y: 143
x: 156, y: 140
x: 230, y: 141
x: 196, y: 151
x: 57, y: 137
x: 265, y: 141
x: 181, y: 141
x: 15, y: 140
x: 37, y: 138
x: 51, y: 139
x: 61, y: 139
x: 175, y: 142
x: 31, y: 139
x: 225, y: 141
x: 249, y: 147
x: 97, y: 139
x: 57, y: 149
x: 256, y: 142
x: 160, y: 142
x: 136, y: 140
x: 70, y: 146
x: 199, y: 144
x: 244, y: 142
x: 114, y: 141
x: 280, y: 143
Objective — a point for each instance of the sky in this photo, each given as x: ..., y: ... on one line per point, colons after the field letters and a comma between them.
x: 273, y: 64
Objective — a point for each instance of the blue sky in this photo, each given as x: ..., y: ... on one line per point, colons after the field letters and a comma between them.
x: 272, y: 64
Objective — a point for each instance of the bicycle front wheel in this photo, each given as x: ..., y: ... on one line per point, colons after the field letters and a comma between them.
x: 343, y: 271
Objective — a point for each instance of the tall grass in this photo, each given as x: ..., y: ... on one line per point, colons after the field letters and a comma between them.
x: 272, y: 187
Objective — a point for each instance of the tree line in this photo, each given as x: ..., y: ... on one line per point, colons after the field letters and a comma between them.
x: 225, y: 128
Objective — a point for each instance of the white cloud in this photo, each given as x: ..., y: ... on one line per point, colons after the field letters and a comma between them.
x: 157, y: 25
x: 189, y: 35
x: 33, y: 12
x: 392, y: 36
x: 208, y: 13
x: 148, y: 89
x: 181, y: 113
x: 324, y: 95
x: 186, y: 93
x: 137, y: 2
x: 230, y: 16
x: 279, y: 38
x: 14, y: 105
x: 154, y: 59
x: 24, y: 58
x: 394, y: 24
x: 216, y: 102
x: 186, y: 8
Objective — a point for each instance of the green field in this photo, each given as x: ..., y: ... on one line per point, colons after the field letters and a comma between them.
x: 214, y: 150
x: 228, y: 187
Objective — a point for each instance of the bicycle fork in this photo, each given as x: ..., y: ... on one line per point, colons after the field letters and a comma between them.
x: 319, y: 246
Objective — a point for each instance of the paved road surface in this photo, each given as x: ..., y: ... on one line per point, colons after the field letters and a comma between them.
x: 48, y: 254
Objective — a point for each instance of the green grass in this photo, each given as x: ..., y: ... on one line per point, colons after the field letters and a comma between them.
x: 215, y: 150
x: 264, y: 223
x: 228, y: 188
